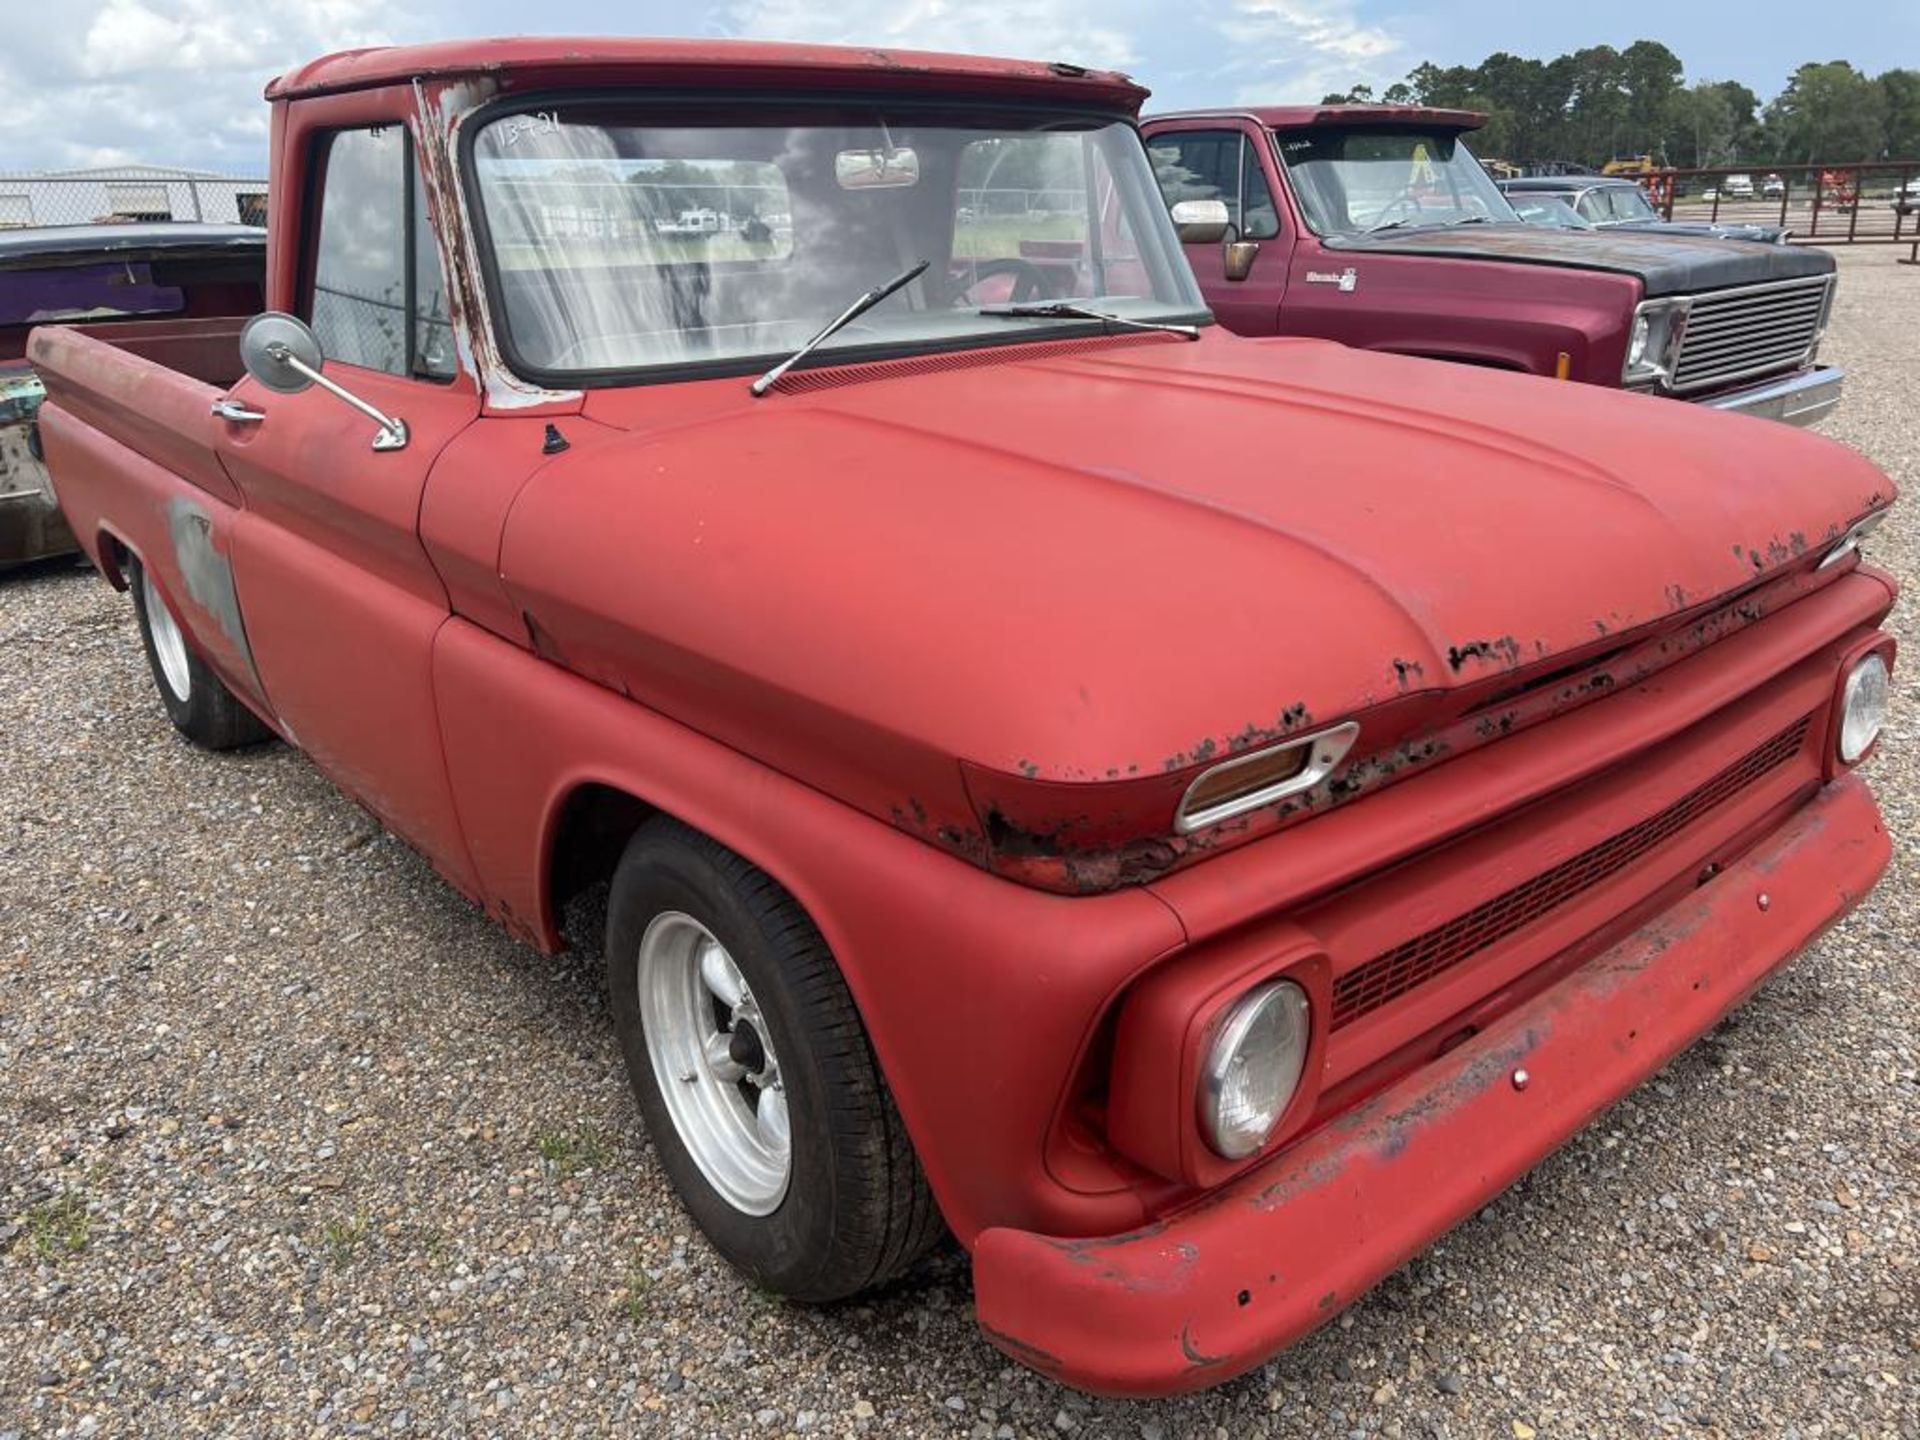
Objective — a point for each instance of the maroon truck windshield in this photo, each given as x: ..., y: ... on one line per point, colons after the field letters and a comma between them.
x: 85, y: 292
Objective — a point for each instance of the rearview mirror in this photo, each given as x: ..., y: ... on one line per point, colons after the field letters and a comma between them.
x: 1200, y: 222
x: 893, y: 169
x: 283, y: 354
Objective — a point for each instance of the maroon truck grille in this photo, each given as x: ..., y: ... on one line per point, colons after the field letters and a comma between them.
x: 1390, y: 975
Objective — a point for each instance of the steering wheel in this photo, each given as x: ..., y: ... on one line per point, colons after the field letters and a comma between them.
x: 1405, y: 204
x: 1029, y: 280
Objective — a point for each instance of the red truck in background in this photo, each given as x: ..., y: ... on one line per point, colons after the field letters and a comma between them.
x: 1196, y: 816
x: 1374, y: 225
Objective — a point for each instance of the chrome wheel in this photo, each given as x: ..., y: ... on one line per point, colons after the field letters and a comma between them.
x: 714, y: 1062
x: 169, y: 645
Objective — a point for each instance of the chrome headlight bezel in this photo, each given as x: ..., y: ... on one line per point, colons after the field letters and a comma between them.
x: 1276, y: 1014
x: 1653, y: 341
x: 1865, y: 696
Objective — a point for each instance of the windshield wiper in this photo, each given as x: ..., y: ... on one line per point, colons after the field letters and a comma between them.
x: 839, y: 322
x: 1067, y: 310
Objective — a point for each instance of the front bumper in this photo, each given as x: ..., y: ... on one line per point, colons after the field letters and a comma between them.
x: 1799, y: 399
x: 1208, y: 1293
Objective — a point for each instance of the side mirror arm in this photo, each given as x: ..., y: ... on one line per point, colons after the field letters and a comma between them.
x: 392, y: 434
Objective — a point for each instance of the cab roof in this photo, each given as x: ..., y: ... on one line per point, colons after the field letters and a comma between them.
x: 523, y: 62
x: 1303, y: 117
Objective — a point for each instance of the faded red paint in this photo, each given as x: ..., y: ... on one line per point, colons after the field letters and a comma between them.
x: 1283, y: 1249
x: 939, y: 643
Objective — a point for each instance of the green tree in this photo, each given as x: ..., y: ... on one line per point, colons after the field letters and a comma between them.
x: 1650, y: 74
x: 1828, y: 113
x: 1900, y: 93
x: 1713, y: 123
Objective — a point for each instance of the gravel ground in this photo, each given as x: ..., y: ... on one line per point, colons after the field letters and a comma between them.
x: 292, y: 1142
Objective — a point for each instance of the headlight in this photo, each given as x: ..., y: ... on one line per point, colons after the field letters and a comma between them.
x: 1863, y: 707
x: 1653, y: 342
x: 1253, y: 1067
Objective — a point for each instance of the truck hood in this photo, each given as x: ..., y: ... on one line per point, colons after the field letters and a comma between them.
x: 1088, y: 561
x: 1665, y: 262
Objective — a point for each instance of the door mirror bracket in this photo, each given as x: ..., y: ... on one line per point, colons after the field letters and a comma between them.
x: 284, y: 355
x: 1236, y: 258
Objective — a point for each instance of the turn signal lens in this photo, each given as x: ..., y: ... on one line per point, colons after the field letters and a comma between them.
x: 1863, y: 707
x: 1253, y: 1067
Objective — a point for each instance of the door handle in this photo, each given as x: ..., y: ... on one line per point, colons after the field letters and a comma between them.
x: 234, y: 413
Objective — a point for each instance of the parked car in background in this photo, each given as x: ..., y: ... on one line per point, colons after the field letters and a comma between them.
x: 1374, y: 225
x: 1199, y: 951
x: 1612, y: 203
x: 1737, y: 187
x: 1906, y: 199
x: 1773, y: 187
x: 124, y: 276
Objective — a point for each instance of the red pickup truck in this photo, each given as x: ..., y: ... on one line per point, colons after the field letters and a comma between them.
x: 1374, y: 225
x: 1196, y: 816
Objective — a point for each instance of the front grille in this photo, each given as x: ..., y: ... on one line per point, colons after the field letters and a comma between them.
x: 1413, y: 962
x: 1736, y: 334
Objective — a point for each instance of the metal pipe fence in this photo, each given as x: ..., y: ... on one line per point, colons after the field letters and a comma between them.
x: 1868, y: 203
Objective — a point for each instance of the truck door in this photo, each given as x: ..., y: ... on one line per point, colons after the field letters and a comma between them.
x: 341, y: 601
x: 1228, y: 165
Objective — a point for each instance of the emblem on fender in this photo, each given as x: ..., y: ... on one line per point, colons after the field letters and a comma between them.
x: 1346, y: 279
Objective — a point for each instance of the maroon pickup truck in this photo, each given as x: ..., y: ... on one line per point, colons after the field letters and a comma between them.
x: 1374, y: 225
x: 1196, y: 816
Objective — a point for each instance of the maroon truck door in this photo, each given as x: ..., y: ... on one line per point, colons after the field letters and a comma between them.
x: 341, y: 601
x: 1228, y: 164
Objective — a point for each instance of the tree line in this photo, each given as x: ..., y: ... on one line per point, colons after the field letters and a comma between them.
x: 1601, y: 102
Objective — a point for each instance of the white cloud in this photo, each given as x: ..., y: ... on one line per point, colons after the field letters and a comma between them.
x: 92, y: 82
x: 1299, y: 50
x: 1077, y: 30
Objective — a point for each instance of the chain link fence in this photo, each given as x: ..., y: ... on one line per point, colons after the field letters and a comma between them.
x: 125, y: 196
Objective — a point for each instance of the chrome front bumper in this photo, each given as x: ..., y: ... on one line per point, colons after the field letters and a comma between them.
x: 1803, y: 398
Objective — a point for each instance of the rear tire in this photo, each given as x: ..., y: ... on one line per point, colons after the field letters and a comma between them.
x: 754, y: 1073
x: 196, y: 700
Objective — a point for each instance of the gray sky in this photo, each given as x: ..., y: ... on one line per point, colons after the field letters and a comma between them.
x: 178, y: 81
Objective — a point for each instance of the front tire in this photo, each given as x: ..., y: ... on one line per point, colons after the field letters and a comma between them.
x: 754, y: 1074
x: 197, y: 702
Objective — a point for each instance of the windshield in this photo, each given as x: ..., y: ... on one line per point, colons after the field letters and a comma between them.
x: 1553, y: 210
x: 1354, y: 181
x: 730, y: 237
x: 1629, y: 202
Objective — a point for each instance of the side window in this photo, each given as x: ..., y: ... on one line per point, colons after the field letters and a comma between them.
x: 1262, y: 218
x: 379, y: 296
x: 1199, y: 165
x: 1593, y: 206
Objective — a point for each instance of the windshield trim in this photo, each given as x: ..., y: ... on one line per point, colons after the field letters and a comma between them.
x: 669, y: 372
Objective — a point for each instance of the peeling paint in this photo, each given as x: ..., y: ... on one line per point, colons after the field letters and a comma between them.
x: 207, y: 573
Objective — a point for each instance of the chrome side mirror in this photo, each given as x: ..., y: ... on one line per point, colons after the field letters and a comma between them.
x: 282, y: 354
x: 1200, y: 222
